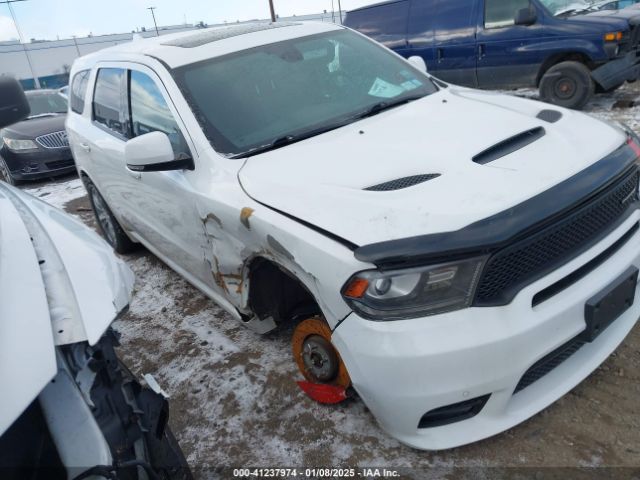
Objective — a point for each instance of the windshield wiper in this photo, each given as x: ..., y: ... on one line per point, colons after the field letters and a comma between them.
x: 289, y: 139
x: 386, y: 105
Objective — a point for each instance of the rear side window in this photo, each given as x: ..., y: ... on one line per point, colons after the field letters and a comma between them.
x: 109, y: 101
x: 78, y: 90
x: 502, y: 13
x: 385, y: 23
x: 150, y: 112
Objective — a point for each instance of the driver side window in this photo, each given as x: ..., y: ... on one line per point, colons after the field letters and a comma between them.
x: 501, y: 13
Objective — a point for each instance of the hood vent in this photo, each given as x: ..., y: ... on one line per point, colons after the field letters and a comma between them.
x: 509, y: 145
x: 550, y: 116
x: 400, y: 183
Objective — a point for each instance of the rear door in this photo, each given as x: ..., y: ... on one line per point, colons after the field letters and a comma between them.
x: 454, y: 26
x: 507, y: 53
x: 108, y: 134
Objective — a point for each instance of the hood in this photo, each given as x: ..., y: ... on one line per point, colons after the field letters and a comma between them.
x: 602, y: 19
x: 626, y: 14
x: 60, y: 283
x: 36, y: 126
x: 324, y: 180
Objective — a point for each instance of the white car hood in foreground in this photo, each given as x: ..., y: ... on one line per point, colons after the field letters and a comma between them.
x: 60, y: 283
x: 322, y: 180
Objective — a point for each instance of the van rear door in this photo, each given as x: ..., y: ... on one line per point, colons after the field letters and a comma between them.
x: 454, y: 24
x: 504, y: 56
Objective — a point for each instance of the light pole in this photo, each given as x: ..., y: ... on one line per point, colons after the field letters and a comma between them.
x: 24, y: 47
x: 75, y: 42
x: 273, y: 11
x: 340, y: 11
x: 154, y: 20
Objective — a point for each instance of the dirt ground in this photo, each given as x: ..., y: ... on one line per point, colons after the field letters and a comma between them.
x: 234, y: 402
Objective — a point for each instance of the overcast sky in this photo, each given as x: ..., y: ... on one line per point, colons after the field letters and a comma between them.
x: 47, y: 19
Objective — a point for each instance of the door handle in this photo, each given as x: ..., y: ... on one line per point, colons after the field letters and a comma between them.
x: 481, y: 50
x: 439, y: 54
x: 86, y: 147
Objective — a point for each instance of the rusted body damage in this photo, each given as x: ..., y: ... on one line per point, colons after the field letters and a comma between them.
x: 235, y: 241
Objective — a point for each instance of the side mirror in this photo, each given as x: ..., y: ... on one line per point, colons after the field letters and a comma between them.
x: 152, y: 152
x: 13, y: 102
x: 525, y: 17
x: 418, y: 62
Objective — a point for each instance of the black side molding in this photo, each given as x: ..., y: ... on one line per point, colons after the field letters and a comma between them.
x: 510, y: 145
x: 496, y: 231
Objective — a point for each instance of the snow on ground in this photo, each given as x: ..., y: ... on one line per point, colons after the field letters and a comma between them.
x: 234, y: 401
x: 57, y: 194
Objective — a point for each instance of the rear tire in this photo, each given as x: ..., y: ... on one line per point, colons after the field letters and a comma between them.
x: 567, y: 84
x: 111, y: 230
x: 5, y: 174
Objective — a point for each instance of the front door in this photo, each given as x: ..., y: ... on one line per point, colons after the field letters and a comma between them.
x: 505, y: 58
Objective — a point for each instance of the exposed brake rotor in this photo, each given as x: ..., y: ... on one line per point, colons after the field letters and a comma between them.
x: 319, y: 362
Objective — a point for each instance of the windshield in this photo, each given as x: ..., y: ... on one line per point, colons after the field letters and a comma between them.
x: 558, y: 7
x: 46, y: 103
x: 253, y: 98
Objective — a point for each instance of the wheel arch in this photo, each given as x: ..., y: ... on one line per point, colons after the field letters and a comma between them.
x: 556, y: 58
x: 274, y: 290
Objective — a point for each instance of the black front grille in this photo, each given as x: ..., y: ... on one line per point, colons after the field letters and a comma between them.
x: 510, y: 269
x: 549, y: 362
x: 55, y: 165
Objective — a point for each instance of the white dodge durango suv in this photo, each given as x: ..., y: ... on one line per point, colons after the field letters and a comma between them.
x: 460, y: 259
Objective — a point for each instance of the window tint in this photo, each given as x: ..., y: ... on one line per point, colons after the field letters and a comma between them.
x: 109, y: 107
x: 150, y: 112
x: 78, y: 90
x: 501, y: 13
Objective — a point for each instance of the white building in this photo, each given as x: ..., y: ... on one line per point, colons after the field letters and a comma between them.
x: 50, y: 61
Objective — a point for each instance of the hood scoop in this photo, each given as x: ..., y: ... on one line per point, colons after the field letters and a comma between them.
x: 508, y: 146
x: 404, y: 182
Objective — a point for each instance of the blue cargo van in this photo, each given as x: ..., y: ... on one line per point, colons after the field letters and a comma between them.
x: 559, y: 46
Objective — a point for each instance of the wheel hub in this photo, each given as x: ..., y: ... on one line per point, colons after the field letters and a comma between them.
x: 320, y: 359
x: 565, y: 88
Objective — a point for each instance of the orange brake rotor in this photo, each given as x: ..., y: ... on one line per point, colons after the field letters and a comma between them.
x: 304, y: 332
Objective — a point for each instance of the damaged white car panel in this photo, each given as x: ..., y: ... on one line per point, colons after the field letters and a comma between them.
x: 27, y: 354
x: 300, y: 172
x: 61, y: 284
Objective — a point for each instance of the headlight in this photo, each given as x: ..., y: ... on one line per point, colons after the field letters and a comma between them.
x: 414, y: 292
x: 15, y: 144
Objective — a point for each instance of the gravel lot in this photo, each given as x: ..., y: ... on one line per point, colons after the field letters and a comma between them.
x: 234, y: 402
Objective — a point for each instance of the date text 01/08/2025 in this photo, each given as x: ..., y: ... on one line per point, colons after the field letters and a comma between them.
x: 315, y: 473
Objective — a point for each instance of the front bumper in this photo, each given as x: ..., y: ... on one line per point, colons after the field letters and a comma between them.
x: 404, y: 369
x: 41, y: 163
x: 618, y: 71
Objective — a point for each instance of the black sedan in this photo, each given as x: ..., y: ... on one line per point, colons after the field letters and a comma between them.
x: 37, y: 147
